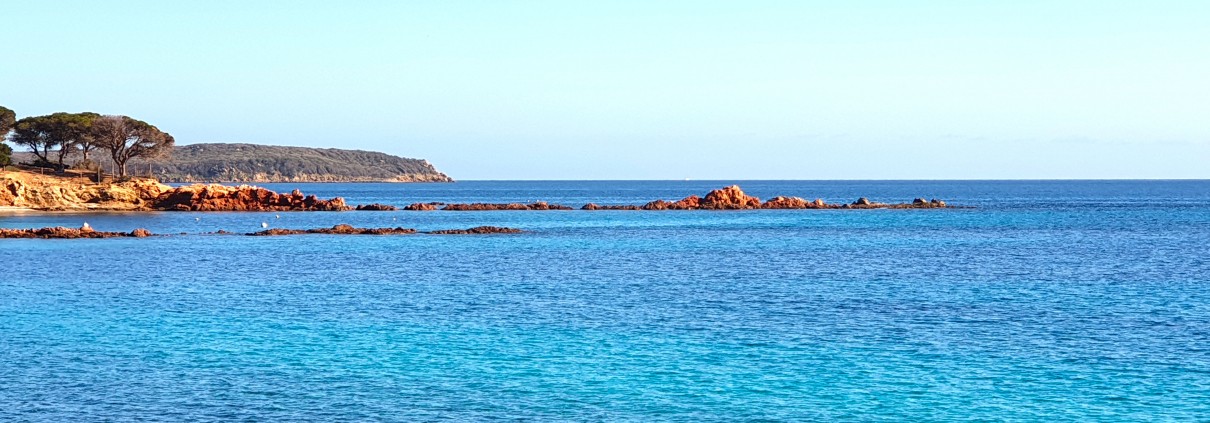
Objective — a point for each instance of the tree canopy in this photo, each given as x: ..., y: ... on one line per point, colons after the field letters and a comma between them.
x: 60, y: 133
x: 126, y: 138
x: 7, y: 119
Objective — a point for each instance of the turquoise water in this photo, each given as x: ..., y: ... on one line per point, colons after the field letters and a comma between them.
x: 1048, y: 301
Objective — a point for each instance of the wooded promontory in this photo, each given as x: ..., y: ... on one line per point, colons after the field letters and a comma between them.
x: 215, y: 162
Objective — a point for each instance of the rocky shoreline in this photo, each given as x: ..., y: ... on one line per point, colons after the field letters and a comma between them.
x: 25, y: 190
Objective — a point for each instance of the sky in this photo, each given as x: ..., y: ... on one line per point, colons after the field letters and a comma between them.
x: 647, y: 89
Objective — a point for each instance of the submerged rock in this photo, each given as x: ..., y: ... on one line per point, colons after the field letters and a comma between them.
x: 592, y: 206
x: 538, y: 205
x: 376, y: 207
x: 341, y: 229
x: 60, y: 232
x: 478, y: 230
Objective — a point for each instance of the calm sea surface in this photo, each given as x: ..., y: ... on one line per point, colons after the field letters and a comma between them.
x: 1049, y: 301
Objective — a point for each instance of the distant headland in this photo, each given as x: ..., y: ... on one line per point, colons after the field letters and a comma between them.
x: 254, y: 163
x: 124, y: 146
x: 220, y: 162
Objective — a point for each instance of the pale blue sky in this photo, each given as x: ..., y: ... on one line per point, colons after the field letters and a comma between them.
x: 648, y: 89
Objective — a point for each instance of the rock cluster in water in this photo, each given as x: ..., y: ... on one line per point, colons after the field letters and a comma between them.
x: 734, y: 198
x: 422, y: 206
x: 478, y: 230
x: 216, y: 197
x: 60, y: 232
x: 344, y: 229
x: 728, y: 198
x: 341, y: 229
x: 376, y: 207
x: 539, y: 205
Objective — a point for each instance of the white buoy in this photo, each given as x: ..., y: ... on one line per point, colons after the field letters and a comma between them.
x: 278, y: 216
x: 197, y: 219
x: 264, y: 224
x: 86, y: 227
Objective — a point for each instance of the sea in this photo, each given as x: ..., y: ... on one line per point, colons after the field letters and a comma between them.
x: 1039, y: 301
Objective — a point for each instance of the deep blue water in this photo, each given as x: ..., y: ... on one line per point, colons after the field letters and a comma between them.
x: 1048, y: 301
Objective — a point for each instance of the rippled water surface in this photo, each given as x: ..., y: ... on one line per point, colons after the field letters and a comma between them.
x: 1047, y: 301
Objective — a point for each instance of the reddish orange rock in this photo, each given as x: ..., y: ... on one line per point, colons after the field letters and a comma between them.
x: 216, y: 197
x: 794, y: 203
x: 729, y: 198
x: 421, y: 207
x: 786, y: 203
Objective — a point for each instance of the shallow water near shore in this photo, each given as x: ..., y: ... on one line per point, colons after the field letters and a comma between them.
x: 1049, y: 300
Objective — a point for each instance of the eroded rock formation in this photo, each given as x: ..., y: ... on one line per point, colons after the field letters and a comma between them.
x: 214, y: 197
x: 729, y: 198
x: 47, y: 192
x: 422, y: 206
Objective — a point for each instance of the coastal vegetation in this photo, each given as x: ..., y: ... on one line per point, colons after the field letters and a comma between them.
x: 53, y: 138
x: 7, y: 119
x: 126, y: 138
x: 62, y: 141
x: 233, y: 162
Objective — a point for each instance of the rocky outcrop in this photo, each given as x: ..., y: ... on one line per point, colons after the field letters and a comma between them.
x: 341, y: 229
x: 69, y: 233
x: 376, y: 207
x: 734, y: 198
x: 422, y: 206
x: 344, y: 229
x: 691, y: 202
x: 780, y: 202
x: 47, y: 192
x: 539, y: 205
x: 216, y: 197
x: 478, y: 230
x: 729, y: 198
